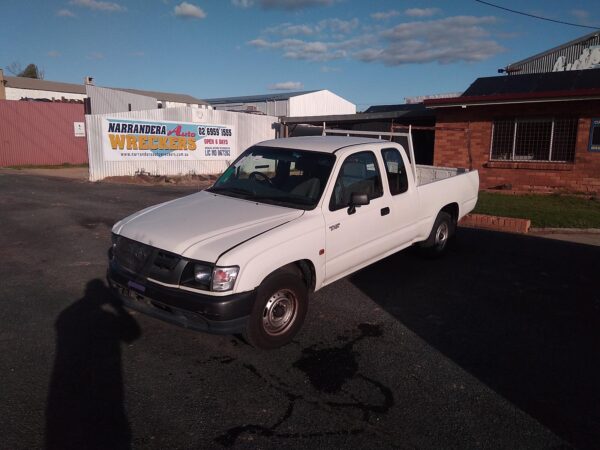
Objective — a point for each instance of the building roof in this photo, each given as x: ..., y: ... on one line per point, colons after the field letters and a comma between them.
x: 44, y: 85
x: 587, y: 37
x: 166, y: 96
x: 257, y: 98
x: 550, y: 86
x: 326, y: 144
x: 374, y: 113
x: 57, y: 86
x: 405, y: 107
x: 535, y: 82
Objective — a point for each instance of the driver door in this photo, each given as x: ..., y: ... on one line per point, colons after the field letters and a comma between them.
x: 353, y: 238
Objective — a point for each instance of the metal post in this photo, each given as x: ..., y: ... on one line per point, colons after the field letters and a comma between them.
x: 412, y: 153
x: 551, y: 140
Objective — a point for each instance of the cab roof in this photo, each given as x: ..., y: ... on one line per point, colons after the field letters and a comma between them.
x: 325, y: 144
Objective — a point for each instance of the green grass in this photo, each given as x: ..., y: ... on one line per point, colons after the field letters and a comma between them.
x: 548, y: 211
x: 57, y: 166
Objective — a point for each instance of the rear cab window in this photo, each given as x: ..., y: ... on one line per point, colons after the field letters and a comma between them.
x: 395, y: 170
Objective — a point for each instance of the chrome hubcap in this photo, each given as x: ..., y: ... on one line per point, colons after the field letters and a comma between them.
x: 441, y: 235
x: 280, y: 312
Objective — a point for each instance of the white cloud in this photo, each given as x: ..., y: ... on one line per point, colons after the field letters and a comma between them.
x: 329, y: 69
x: 99, y: 5
x: 452, y: 39
x: 289, y: 5
x: 422, y: 12
x: 289, y: 29
x: 53, y: 53
x: 337, y: 25
x: 189, y: 11
x: 581, y: 14
x: 95, y: 56
x: 335, y: 28
x: 303, y: 50
x: 384, y: 15
x: 242, y: 3
x: 65, y: 13
x: 448, y: 40
x: 286, y: 86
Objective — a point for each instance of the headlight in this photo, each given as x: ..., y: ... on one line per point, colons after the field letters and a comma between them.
x: 224, y: 278
x: 114, y: 238
x: 202, y: 275
x: 205, y: 276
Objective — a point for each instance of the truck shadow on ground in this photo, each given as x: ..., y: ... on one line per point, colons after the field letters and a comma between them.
x: 85, y: 400
x: 522, y: 314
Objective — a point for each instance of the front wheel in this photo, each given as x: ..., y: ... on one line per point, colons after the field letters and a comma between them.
x: 279, y: 311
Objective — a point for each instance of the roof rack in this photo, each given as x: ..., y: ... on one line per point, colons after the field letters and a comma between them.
x: 379, y: 134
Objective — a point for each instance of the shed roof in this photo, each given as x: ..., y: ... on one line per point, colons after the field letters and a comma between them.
x: 57, y: 86
x: 257, y: 98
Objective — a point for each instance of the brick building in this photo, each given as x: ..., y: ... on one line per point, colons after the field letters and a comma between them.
x: 537, y: 131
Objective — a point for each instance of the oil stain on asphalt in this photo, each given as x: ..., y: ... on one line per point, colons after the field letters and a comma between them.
x: 329, y: 371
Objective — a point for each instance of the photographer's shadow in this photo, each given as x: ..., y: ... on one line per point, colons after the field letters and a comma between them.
x: 85, y: 401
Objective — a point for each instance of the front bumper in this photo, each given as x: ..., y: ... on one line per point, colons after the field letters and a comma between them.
x: 213, y: 314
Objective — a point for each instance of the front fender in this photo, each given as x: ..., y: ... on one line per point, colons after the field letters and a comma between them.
x: 298, y: 240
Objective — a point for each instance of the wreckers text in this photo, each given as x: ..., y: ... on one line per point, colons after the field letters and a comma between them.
x: 144, y: 142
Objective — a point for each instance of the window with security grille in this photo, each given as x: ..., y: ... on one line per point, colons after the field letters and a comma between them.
x: 595, y: 136
x: 545, y: 139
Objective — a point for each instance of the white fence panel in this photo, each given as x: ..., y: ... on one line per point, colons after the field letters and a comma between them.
x: 249, y: 130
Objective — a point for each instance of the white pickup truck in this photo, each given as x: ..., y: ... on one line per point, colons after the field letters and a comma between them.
x: 288, y: 217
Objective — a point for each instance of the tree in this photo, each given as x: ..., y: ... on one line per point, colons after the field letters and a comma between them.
x: 31, y: 71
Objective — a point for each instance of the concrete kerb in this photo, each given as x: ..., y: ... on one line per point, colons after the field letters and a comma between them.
x: 564, y: 230
x: 587, y: 236
x: 496, y: 223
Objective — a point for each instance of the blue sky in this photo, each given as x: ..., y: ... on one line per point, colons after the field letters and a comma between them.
x: 370, y: 52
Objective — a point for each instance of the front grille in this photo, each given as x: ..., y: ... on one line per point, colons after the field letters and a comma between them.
x: 132, y: 255
x: 166, y: 261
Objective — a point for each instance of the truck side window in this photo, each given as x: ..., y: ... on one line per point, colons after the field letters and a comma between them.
x: 396, y: 172
x: 360, y: 174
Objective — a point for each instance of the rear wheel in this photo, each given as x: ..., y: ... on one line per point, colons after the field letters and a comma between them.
x: 437, y: 242
x: 279, y: 311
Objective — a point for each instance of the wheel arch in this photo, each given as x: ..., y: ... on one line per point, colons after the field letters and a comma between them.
x: 304, y: 268
x: 453, y: 210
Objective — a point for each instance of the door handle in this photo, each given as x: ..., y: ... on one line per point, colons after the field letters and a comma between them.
x: 385, y: 211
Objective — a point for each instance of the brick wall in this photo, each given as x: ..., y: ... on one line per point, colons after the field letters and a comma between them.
x: 451, y: 147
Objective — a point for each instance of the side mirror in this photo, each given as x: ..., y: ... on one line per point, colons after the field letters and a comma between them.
x: 356, y: 200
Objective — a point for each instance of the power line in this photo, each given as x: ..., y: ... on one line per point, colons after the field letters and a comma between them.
x: 537, y: 17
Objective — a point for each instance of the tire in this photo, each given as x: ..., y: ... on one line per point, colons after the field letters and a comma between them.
x: 279, y: 311
x: 441, y: 233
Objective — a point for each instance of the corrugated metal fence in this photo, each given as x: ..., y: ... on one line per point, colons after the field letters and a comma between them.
x: 40, y: 133
x: 249, y: 129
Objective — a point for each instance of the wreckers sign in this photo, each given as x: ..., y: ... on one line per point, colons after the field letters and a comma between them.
x: 126, y: 140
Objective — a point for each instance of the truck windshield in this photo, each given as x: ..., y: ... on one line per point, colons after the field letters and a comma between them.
x: 278, y: 176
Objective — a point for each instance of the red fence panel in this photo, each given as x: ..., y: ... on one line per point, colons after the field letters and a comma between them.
x: 40, y: 133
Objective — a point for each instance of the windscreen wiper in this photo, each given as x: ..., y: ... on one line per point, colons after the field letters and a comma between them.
x: 233, y: 190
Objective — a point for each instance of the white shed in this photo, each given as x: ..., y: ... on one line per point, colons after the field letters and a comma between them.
x: 289, y: 104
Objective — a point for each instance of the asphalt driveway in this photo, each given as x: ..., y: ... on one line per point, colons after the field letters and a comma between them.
x: 494, y: 346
